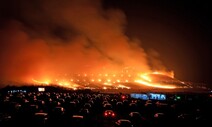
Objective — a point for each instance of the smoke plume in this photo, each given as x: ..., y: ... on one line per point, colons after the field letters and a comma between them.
x: 42, y: 39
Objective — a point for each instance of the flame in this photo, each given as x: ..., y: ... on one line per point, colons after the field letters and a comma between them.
x: 104, y: 88
x: 146, y: 77
x: 107, y: 84
x: 123, y: 86
x: 109, y: 79
x: 157, y: 85
x: 47, y: 82
x: 59, y: 83
x: 147, y: 81
x: 170, y: 74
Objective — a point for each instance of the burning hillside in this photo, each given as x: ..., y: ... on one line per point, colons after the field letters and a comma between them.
x: 58, y: 43
x: 76, y: 44
x: 117, y: 81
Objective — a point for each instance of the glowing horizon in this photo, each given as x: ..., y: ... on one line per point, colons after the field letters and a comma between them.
x: 108, y: 80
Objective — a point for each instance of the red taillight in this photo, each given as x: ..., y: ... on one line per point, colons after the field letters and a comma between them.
x: 123, y: 97
x: 113, y: 114
x: 106, y: 114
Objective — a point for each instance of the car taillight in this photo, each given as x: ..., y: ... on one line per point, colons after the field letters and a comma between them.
x: 113, y: 114
x: 106, y: 114
x: 123, y: 97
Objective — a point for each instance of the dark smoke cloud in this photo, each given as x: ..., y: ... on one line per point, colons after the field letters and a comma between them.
x: 46, y: 38
x: 154, y: 60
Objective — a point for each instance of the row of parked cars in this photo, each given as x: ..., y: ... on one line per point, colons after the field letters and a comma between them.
x: 73, y: 109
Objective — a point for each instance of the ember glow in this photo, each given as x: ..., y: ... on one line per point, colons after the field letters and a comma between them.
x: 84, y: 45
x: 147, y: 80
x: 41, y: 82
x: 108, y: 81
x: 66, y: 84
x: 157, y: 85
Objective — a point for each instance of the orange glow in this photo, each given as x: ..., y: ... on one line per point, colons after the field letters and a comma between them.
x: 60, y: 83
x: 107, y: 84
x: 101, y: 53
x: 39, y: 82
x: 99, y: 80
x: 170, y: 74
x: 146, y: 80
x: 122, y: 86
x: 117, y: 80
x: 155, y: 84
x: 104, y: 88
x: 146, y: 77
x: 68, y: 85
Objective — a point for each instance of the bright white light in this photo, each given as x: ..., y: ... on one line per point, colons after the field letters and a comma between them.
x: 41, y: 89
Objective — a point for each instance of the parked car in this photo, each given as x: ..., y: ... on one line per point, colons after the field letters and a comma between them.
x: 123, y: 123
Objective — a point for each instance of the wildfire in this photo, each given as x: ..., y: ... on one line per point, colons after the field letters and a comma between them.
x: 41, y: 82
x: 155, y: 84
x: 62, y: 83
x: 147, y: 80
x: 170, y: 74
x: 115, y: 81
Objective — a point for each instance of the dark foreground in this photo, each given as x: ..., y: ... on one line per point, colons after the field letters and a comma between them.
x: 87, y: 108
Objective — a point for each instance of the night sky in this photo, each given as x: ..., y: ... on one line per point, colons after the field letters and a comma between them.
x: 44, y: 38
x: 180, y: 31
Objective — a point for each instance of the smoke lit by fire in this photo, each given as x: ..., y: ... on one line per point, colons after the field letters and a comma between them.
x: 70, y: 44
x: 111, y: 81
